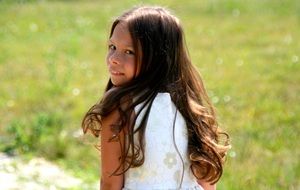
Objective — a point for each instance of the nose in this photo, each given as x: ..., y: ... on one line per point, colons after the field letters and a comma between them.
x: 114, y: 58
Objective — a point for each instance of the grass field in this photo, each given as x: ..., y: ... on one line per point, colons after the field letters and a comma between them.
x: 52, y: 69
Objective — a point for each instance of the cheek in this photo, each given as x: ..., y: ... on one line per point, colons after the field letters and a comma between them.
x: 132, y: 67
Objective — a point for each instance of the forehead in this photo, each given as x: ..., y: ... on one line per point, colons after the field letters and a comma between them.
x: 121, y: 35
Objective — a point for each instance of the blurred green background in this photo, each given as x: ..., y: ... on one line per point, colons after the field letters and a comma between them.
x: 52, y: 69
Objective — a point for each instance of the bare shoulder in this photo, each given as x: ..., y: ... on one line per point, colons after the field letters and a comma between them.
x: 111, y: 151
x: 107, y: 123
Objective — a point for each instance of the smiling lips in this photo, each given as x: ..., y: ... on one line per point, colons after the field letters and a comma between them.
x: 115, y: 72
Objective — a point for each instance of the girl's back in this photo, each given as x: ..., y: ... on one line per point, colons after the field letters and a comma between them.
x: 163, y: 166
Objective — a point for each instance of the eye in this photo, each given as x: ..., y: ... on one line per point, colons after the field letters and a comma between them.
x: 111, y: 47
x: 130, y: 52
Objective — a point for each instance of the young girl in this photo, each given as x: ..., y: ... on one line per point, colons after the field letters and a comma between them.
x: 157, y: 126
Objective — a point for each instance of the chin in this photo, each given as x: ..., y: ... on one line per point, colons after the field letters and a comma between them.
x: 117, y: 83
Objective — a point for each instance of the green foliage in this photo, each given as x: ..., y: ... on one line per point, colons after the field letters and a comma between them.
x: 33, y: 135
x: 52, y: 68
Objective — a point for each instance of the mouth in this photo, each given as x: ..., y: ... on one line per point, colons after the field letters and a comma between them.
x: 117, y: 73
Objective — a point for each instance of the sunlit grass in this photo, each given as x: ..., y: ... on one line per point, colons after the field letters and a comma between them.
x: 52, y: 68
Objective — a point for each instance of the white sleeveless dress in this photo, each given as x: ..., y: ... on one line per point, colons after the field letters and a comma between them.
x: 163, y: 167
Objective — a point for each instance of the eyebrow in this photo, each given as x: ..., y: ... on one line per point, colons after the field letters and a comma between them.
x: 126, y: 45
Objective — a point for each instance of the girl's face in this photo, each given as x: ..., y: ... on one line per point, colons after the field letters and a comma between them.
x: 121, y: 56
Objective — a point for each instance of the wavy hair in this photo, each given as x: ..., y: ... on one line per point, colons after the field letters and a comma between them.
x: 164, y: 66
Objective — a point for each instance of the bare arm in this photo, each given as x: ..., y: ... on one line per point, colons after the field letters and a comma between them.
x: 207, y: 186
x: 110, y: 153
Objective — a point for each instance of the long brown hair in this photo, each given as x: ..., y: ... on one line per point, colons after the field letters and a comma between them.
x: 164, y: 65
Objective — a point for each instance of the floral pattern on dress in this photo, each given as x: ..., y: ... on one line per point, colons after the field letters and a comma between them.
x: 141, y: 175
x: 170, y: 160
